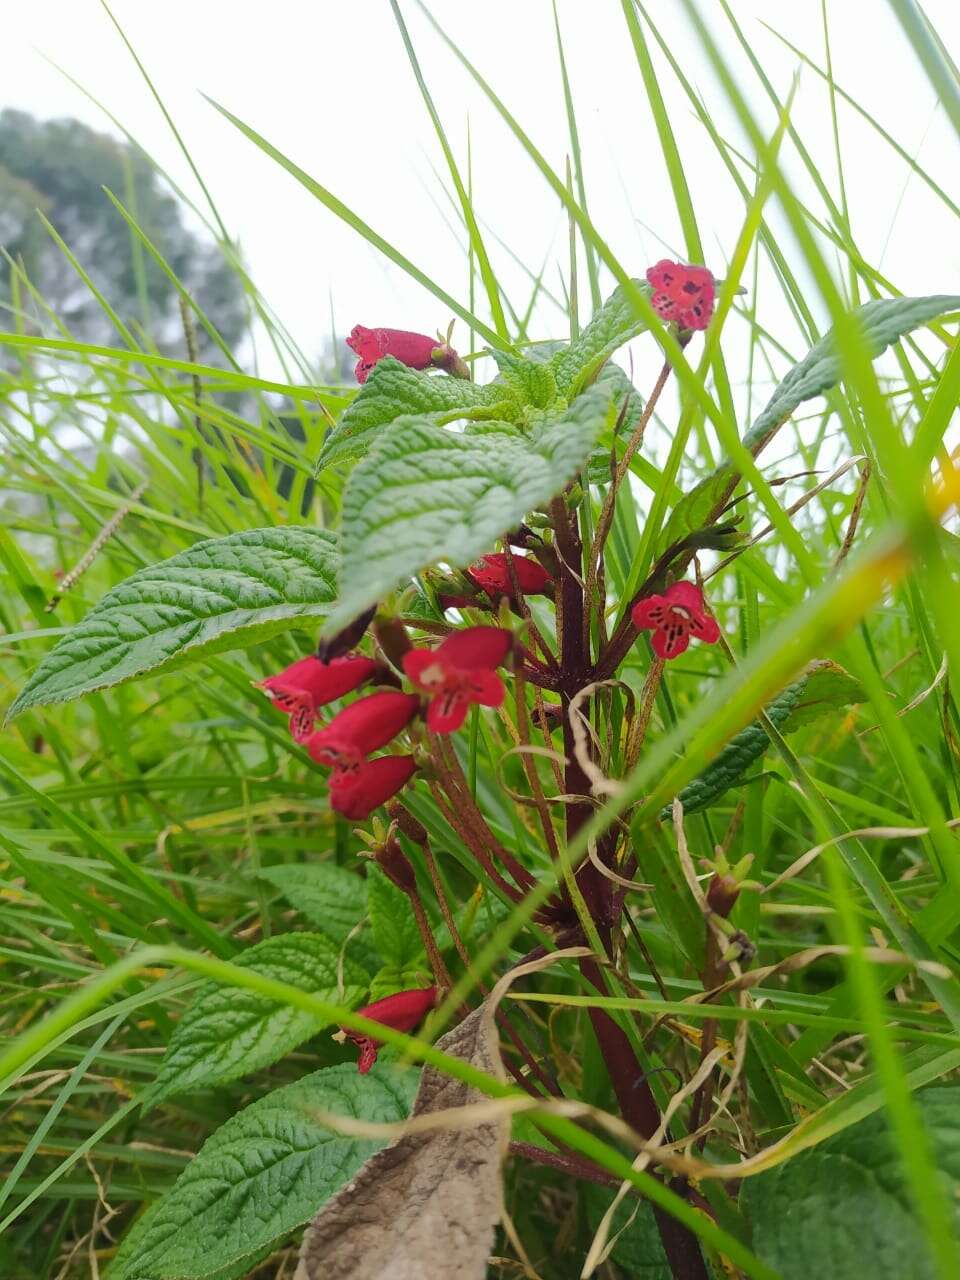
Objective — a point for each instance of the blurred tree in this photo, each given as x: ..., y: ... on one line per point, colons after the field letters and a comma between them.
x: 61, y: 167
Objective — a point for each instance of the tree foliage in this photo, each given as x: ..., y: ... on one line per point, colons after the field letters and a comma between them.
x: 63, y: 168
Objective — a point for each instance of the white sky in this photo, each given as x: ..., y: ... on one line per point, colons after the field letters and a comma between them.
x: 329, y: 84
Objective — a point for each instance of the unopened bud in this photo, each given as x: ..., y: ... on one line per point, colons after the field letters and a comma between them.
x: 722, y: 895
x: 392, y: 861
x: 392, y: 638
x: 412, y: 828
x: 727, y: 882
x: 347, y: 639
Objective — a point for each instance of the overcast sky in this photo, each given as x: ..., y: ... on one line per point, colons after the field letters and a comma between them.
x: 329, y: 84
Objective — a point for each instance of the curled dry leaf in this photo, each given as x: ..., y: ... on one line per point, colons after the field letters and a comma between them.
x: 426, y: 1206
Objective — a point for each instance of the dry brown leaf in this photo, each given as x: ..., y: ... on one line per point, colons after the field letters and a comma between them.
x: 425, y: 1208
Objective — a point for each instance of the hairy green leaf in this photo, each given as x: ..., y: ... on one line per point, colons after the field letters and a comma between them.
x: 882, y: 321
x: 261, y: 1175
x: 393, y: 390
x: 221, y: 594
x: 626, y: 398
x: 843, y: 1208
x: 394, y: 928
x: 576, y: 366
x: 228, y: 1032
x: 391, y: 979
x: 531, y: 381
x: 426, y: 494
x: 823, y: 687
x: 333, y: 899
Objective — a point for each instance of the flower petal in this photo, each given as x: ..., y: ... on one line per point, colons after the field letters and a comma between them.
x: 368, y: 1055
x: 371, y: 722
x: 355, y: 794
x: 424, y: 668
x: 648, y: 612
x: 474, y: 647
x: 364, y: 343
x: 320, y: 682
x: 448, y: 710
x: 302, y: 719
x: 705, y: 629
x: 486, y: 688
x: 686, y: 594
x: 492, y: 575
x: 682, y: 293
x: 671, y: 640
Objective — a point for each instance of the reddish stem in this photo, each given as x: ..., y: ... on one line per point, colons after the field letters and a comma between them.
x: 637, y: 1103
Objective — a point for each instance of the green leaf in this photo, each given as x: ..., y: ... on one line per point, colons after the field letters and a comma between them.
x: 576, y: 366
x: 828, y: 688
x: 394, y: 928
x: 261, y: 1175
x: 426, y: 494
x: 638, y: 1251
x: 391, y: 979
x: 393, y: 390
x: 228, y: 1032
x: 614, y: 378
x: 882, y: 321
x: 531, y: 381
x: 221, y: 594
x: 333, y: 899
x: 823, y: 687
x: 842, y: 1209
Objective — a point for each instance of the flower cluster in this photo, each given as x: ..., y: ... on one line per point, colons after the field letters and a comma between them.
x: 461, y: 671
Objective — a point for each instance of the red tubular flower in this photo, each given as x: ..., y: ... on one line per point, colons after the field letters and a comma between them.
x: 415, y: 350
x: 458, y: 672
x: 492, y: 575
x: 681, y: 293
x: 673, y: 618
x: 309, y: 684
x: 362, y: 727
x: 401, y: 1011
x: 356, y: 791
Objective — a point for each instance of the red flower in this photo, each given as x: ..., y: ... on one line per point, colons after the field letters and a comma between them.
x: 309, y: 684
x: 491, y: 575
x: 362, y: 727
x: 673, y: 618
x: 355, y: 792
x: 415, y: 350
x: 682, y: 294
x: 401, y: 1011
x: 458, y: 672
